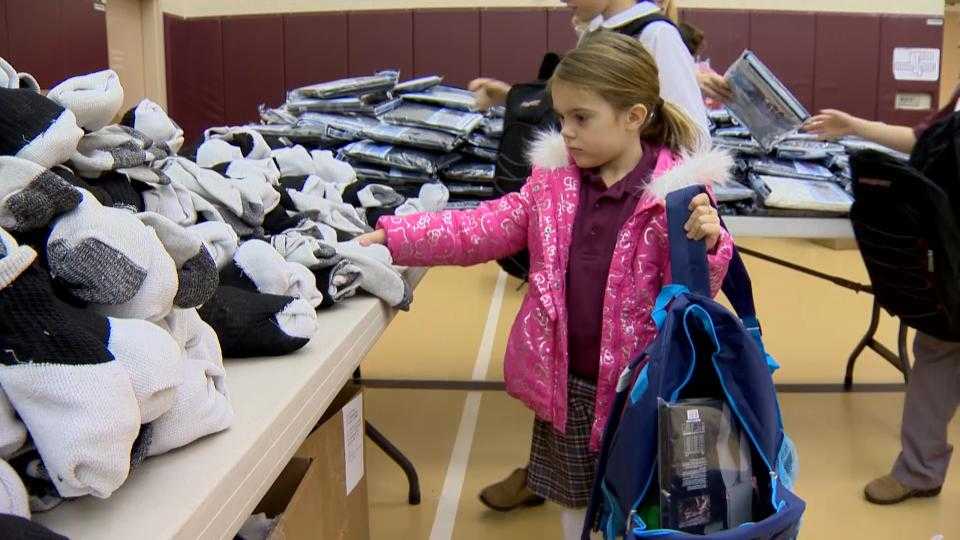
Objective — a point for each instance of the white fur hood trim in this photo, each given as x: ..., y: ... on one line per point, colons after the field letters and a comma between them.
x: 548, y: 151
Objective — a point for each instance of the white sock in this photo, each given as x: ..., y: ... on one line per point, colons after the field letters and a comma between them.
x: 433, y: 198
x: 13, y: 494
x: 112, y: 260
x: 13, y: 434
x: 111, y: 148
x: 263, y: 170
x: 153, y: 360
x: 332, y: 169
x: 341, y: 217
x: 264, y: 267
x: 220, y: 240
x: 151, y: 120
x: 172, y: 201
x: 312, y: 253
x: 303, y: 284
x: 379, y: 277
x: 196, y: 269
x: 216, y: 151
x: 251, y: 143
x: 201, y: 403
x: 295, y: 161
x: 94, y: 99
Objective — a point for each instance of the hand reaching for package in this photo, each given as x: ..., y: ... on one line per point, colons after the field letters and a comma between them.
x: 378, y: 236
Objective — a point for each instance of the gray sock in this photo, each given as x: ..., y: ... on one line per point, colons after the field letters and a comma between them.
x: 379, y: 277
x: 35, y: 206
x: 95, y: 272
x: 199, y: 279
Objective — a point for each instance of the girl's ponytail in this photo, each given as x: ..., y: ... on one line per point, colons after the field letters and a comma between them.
x: 673, y: 128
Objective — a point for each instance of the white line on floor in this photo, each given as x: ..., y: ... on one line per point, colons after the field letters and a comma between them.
x: 457, y: 469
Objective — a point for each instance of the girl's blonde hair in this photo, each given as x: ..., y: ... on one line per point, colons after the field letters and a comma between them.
x: 621, y: 71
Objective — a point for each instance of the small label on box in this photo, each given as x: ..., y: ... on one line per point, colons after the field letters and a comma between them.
x: 916, y: 64
x: 914, y: 102
x: 353, y: 441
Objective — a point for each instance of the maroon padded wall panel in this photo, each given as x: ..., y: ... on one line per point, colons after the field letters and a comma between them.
x: 905, y: 31
x: 846, y: 63
x: 727, y: 34
x: 447, y: 42
x: 560, y: 35
x: 195, y: 84
x: 4, y: 32
x: 36, y: 42
x: 380, y: 40
x: 315, y: 48
x: 252, y: 65
x: 786, y: 43
x: 84, y: 38
x: 513, y: 42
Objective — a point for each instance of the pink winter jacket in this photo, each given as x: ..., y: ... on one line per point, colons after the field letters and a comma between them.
x: 540, y: 217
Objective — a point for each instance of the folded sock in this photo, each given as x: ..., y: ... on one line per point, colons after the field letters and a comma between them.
x: 379, y: 277
x: 220, y: 240
x: 263, y: 170
x: 196, y: 269
x: 248, y: 203
x: 19, y: 528
x: 13, y: 494
x: 13, y: 434
x: 153, y: 361
x: 74, y: 397
x: 31, y: 196
x: 201, y: 404
x: 433, y: 198
x: 342, y: 217
x: 150, y: 119
x: 41, y: 492
x: 250, y: 143
x: 294, y: 161
x: 331, y: 169
x: 108, y: 257
x: 216, y: 151
x: 338, y: 282
x: 297, y: 247
x: 257, y: 266
x: 94, y: 99
x: 36, y: 128
x: 10, y: 78
x: 112, y: 148
x: 255, y: 324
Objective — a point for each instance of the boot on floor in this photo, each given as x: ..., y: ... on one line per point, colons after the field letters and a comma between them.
x: 888, y: 490
x: 511, y: 493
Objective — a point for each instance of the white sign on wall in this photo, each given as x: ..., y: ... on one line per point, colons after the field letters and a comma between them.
x: 915, y: 64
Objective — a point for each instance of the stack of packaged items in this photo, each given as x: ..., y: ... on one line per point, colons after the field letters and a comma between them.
x: 129, y: 272
x: 779, y: 171
x: 400, y: 134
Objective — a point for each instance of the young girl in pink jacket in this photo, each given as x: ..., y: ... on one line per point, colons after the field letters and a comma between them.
x: 593, y: 218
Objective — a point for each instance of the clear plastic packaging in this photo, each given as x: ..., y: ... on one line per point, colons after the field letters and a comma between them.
x: 706, y: 473
x: 396, y: 156
x: 417, y: 85
x: 445, y: 96
x: 482, y: 140
x: 366, y: 171
x: 278, y: 116
x: 384, y: 80
x: 470, y: 172
x: 492, y: 127
x: 460, y: 123
x: 761, y: 102
x: 484, y: 154
x: 342, y: 105
x: 337, y: 127
x: 470, y: 190
x: 429, y: 139
x: 798, y: 194
x: 806, y: 150
x: 744, y: 147
x: 792, y: 169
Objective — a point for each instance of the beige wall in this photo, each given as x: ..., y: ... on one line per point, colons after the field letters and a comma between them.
x: 135, y: 47
x: 951, y: 53
x: 195, y: 8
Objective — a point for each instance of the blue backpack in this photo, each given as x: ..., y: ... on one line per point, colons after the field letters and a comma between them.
x: 701, y: 348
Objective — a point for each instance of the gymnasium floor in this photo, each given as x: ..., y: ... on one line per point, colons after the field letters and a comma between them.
x: 462, y: 441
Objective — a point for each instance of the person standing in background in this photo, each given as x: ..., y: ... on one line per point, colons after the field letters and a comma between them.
x: 933, y: 393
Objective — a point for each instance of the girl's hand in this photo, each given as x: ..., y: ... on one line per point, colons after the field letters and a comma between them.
x: 489, y: 92
x: 378, y: 236
x: 831, y: 124
x: 714, y: 86
x: 704, y: 222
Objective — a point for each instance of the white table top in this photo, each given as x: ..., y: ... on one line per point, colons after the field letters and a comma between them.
x: 209, y: 488
x: 783, y: 227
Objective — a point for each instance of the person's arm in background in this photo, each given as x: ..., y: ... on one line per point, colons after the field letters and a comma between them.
x: 833, y: 124
x: 678, y: 80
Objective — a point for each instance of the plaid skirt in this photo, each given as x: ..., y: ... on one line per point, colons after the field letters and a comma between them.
x: 562, y: 467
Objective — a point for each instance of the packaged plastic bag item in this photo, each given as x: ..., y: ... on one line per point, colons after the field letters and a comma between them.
x: 798, y: 194
x: 792, y: 169
x: 499, y: 111
x: 482, y: 140
x: 384, y: 80
x: 429, y: 139
x: 761, y: 102
x: 279, y: 116
x: 342, y: 105
x: 744, y: 147
x: 483, y: 154
x: 445, y: 96
x: 854, y: 144
x: 733, y: 131
x: 470, y: 190
x: 417, y: 85
x: 337, y: 127
x: 396, y: 156
x: 492, y: 127
x: 366, y: 171
x: 463, y: 205
x: 730, y: 190
x: 706, y: 472
x: 807, y: 150
x: 470, y: 172
x: 460, y: 123
x: 721, y: 117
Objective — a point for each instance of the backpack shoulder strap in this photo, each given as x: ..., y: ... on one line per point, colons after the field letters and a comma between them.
x: 637, y: 26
